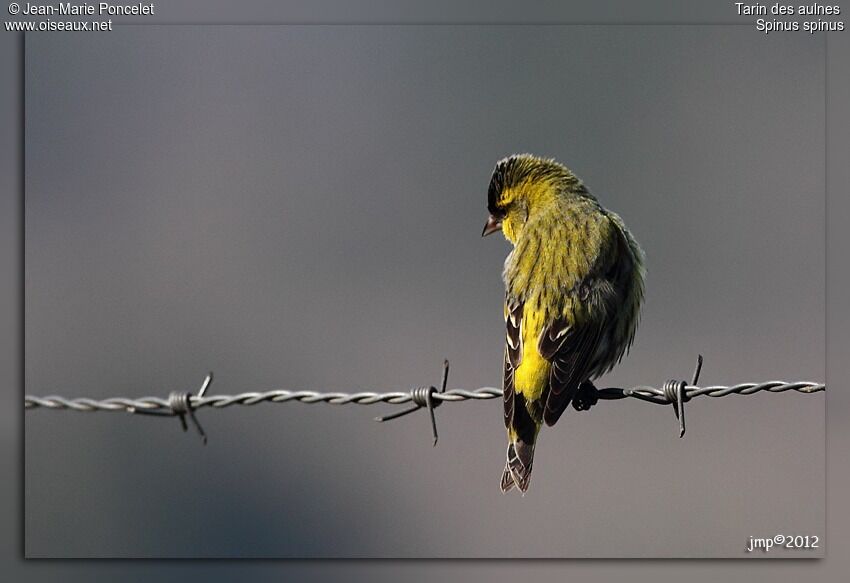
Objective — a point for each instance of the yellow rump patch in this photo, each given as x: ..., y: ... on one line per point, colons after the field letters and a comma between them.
x: 532, y: 376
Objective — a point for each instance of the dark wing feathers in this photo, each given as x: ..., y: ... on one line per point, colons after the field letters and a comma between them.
x: 508, y: 391
x: 513, y: 325
x: 513, y: 354
x: 571, y: 356
x: 553, y: 338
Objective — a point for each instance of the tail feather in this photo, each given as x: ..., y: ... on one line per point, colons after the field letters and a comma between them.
x: 518, y: 466
x: 523, y: 424
x: 507, y: 480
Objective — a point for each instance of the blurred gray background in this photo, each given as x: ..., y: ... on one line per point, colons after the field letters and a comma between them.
x: 300, y: 207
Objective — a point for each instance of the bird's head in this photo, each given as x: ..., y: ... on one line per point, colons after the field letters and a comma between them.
x: 521, y: 186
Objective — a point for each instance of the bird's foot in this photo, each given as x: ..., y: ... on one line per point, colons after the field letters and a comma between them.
x: 586, y: 396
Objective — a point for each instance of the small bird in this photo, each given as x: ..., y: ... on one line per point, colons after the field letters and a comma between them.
x: 574, y: 286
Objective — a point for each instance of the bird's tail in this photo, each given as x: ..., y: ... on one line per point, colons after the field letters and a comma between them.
x: 518, y: 465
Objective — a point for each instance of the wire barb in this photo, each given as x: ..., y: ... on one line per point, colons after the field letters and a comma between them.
x: 423, y: 397
x: 674, y: 392
x: 179, y: 404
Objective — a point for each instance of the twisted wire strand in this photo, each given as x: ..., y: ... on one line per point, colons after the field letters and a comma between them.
x: 152, y: 404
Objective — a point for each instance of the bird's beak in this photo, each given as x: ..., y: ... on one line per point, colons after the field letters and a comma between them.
x: 491, y: 226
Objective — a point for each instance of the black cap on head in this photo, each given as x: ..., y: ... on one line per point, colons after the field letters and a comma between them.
x: 498, y: 182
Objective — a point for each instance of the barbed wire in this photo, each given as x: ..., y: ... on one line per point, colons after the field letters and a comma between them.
x: 183, y: 404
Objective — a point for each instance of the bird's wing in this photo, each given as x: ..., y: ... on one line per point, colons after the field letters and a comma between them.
x: 513, y: 354
x: 571, y: 342
x: 571, y: 349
